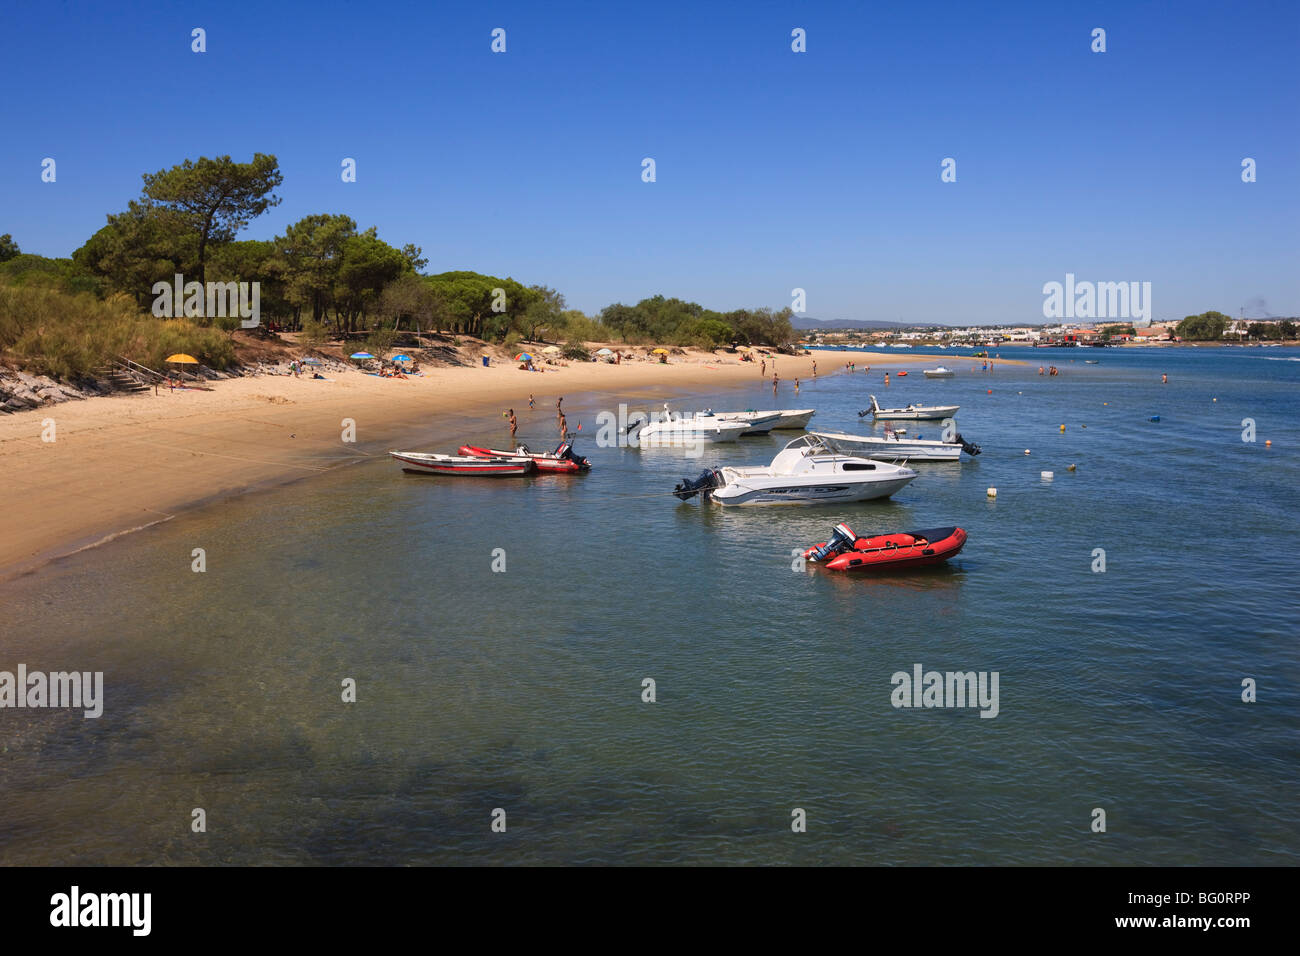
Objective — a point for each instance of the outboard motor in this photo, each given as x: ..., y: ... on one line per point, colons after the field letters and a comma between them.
x: 565, y: 450
x: 687, y: 489
x: 969, y: 447
x: 842, y: 538
x: 864, y: 413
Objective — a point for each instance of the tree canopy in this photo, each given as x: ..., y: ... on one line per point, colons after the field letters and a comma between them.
x: 215, y: 198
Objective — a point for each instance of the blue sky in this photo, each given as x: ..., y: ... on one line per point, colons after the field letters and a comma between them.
x: 775, y: 170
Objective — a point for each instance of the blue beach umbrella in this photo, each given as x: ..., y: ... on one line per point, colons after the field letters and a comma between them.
x: 361, y: 355
x: 401, y: 358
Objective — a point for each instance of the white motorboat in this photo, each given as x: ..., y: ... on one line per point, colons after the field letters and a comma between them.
x: 688, y: 431
x: 757, y: 423
x: 785, y: 418
x: 938, y: 372
x: 806, y: 472
x: 895, y: 447
x: 910, y: 413
x: 793, y: 418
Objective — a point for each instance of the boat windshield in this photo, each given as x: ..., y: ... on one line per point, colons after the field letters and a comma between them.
x: 810, y: 442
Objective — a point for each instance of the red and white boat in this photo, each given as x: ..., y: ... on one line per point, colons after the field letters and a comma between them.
x: 848, y: 552
x: 564, y: 460
x: 497, y: 466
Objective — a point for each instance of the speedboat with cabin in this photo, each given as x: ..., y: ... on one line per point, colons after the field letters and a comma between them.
x: 806, y: 472
x: 910, y: 413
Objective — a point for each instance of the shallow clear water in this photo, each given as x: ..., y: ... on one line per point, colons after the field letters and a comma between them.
x: 522, y: 690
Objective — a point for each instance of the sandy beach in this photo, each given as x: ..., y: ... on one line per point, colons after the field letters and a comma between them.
x: 121, y: 463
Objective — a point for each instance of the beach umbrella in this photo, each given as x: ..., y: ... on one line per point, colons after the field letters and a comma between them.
x: 180, y: 358
x: 312, y: 361
x: 401, y: 358
x: 361, y: 355
x: 523, y: 357
x: 551, y: 350
x: 660, y: 351
x: 604, y: 352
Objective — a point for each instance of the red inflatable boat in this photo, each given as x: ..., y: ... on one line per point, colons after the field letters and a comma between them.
x: 563, y: 460
x: 848, y: 552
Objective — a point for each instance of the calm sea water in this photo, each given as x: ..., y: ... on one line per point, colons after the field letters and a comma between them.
x: 522, y: 690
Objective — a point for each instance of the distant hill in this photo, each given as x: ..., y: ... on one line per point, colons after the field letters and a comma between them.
x: 804, y: 323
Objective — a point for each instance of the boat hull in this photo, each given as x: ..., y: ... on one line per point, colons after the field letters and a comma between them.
x: 417, y: 463
x: 548, y: 464
x: 655, y: 435
x: 888, y: 552
x: 821, y: 491
x: 889, y: 449
x: 798, y: 418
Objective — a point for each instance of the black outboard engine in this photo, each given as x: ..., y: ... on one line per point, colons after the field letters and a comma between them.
x: 687, y: 489
x: 864, y: 413
x: 842, y: 538
x: 969, y: 447
x: 565, y: 450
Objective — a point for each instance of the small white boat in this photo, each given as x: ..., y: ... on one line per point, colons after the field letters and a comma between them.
x: 910, y: 413
x: 757, y: 423
x: 806, y: 472
x: 794, y: 418
x: 688, y: 431
x: 894, y: 447
x: 783, y: 418
x: 485, y: 467
x: 939, y: 372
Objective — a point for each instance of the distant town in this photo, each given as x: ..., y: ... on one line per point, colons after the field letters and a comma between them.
x: 1211, y: 327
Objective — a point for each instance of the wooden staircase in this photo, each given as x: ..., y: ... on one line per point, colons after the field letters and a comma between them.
x: 126, y: 376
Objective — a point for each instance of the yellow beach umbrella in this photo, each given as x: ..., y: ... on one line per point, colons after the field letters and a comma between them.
x: 551, y: 350
x: 660, y: 351
x: 180, y: 358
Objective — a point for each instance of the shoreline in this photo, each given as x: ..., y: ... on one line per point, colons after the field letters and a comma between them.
x: 122, y: 464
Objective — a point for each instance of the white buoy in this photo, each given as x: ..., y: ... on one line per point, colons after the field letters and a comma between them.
x: 992, y: 492
x: 1026, y: 451
x: 1047, y: 476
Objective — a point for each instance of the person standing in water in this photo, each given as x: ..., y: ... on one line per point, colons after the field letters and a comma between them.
x: 514, y: 424
x: 1164, y: 379
x: 814, y: 368
x: 531, y: 404
x: 559, y: 412
x: 886, y: 378
x: 776, y: 379
x: 796, y: 386
x: 564, y: 427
